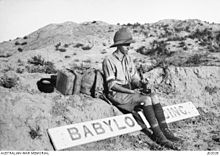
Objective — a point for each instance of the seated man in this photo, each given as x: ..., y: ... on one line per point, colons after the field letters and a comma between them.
x: 120, y: 74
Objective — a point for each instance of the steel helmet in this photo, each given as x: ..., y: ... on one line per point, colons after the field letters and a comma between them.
x: 122, y: 36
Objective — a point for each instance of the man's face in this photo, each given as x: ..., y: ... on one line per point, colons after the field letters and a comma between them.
x: 124, y: 48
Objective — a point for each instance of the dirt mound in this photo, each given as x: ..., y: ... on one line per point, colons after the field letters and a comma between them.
x: 25, y: 117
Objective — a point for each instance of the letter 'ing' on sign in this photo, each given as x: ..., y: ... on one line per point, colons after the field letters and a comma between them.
x: 167, y: 116
x: 74, y: 133
x: 182, y: 110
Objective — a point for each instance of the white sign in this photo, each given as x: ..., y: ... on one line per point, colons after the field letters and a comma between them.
x: 85, y: 132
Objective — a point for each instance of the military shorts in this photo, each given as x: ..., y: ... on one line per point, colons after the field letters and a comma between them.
x: 128, y: 102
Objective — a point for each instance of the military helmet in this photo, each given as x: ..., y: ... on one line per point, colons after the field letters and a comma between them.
x: 122, y: 37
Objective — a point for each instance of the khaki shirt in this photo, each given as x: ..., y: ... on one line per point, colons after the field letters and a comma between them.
x: 119, y: 68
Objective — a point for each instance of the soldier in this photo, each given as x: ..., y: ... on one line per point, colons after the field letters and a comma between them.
x: 122, y: 78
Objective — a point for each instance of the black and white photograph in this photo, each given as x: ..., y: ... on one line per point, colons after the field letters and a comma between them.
x: 109, y: 75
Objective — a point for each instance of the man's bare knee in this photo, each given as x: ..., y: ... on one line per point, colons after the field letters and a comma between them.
x: 154, y: 98
x: 146, y: 101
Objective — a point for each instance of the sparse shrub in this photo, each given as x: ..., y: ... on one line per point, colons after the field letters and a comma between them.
x: 57, y: 45
x: 17, y: 43
x: 103, y: 51
x: 78, y: 45
x: 143, y: 50
x: 175, y: 38
x: 157, y: 48
x: 87, y: 61
x: 181, y: 44
x: 185, y: 48
x: 211, y: 90
x: 35, y: 133
x: 20, y: 70
x: 67, y: 56
x: 37, y: 60
x: 24, y: 43
x: 87, y: 47
x: 25, y: 37
x: 76, y: 60
x: 40, y: 66
x: 135, y: 31
x: 74, y: 53
x: 9, y: 79
x: 194, y: 60
x: 62, y: 50
x: 66, y: 45
x: 20, y: 49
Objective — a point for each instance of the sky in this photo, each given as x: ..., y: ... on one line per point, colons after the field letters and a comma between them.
x: 22, y: 17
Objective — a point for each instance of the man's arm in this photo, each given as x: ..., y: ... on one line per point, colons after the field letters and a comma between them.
x: 119, y: 88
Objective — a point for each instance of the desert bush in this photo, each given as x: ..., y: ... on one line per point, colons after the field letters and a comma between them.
x: 39, y: 65
x: 211, y: 90
x: 181, y: 44
x: 20, y: 49
x: 185, y: 48
x: 35, y: 133
x: 76, y: 60
x: 78, y: 45
x: 62, y: 50
x: 143, y: 50
x: 67, y: 56
x: 17, y: 43
x: 66, y: 45
x: 87, y: 47
x: 87, y: 61
x: 194, y: 59
x: 37, y: 60
x: 57, y: 45
x: 25, y: 37
x: 103, y: 51
x: 9, y: 79
x: 20, y: 70
x: 157, y: 48
x: 176, y: 38
x: 24, y: 43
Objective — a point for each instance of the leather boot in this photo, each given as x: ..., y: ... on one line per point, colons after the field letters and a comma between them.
x: 169, y: 135
x: 163, y: 125
x: 158, y: 135
x: 160, y: 139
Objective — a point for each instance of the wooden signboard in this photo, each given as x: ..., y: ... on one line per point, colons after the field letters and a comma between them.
x: 90, y: 131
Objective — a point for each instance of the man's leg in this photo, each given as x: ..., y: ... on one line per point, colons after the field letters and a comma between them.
x: 159, y: 113
x: 158, y: 135
x: 128, y: 102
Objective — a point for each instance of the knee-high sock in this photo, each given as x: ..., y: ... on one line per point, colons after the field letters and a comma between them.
x: 151, y: 118
x: 160, y: 115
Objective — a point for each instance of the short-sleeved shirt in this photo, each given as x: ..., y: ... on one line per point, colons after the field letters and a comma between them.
x: 119, y: 68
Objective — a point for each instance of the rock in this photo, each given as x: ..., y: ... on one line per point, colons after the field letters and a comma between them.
x: 9, y: 79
